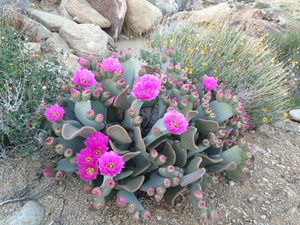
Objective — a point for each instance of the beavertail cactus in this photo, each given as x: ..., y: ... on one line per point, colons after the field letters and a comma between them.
x: 104, y: 134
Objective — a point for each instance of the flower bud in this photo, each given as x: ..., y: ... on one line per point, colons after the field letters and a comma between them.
x: 68, y: 153
x: 193, y: 96
x: 178, y: 68
x: 75, y: 94
x: 136, y: 121
x: 122, y: 56
x: 156, y: 131
x: 162, y: 90
x: 104, y: 96
x: 136, y: 216
x: 160, y: 190
x: 158, y: 198
x: 172, y: 52
x: 174, y: 102
x: 50, y: 141
x: 164, y: 58
x: 99, y: 203
x: 145, y: 214
x: 96, y: 94
x: 120, y: 202
x: 88, y: 190
x: 201, y: 204
x: 198, y: 194
x: 59, y: 149
x: 205, y: 142
x: 48, y: 172
x: 90, y: 114
x: 128, y: 54
x: 161, y: 160
x: 153, y: 154
x: 175, y: 181
x: 170, y: 67
x: 99, y: 118
x: 59, y: 175
x: 196, y: 104
x: 142, y: 71
x: 120, y: 83
x: 131, y: 207
x: 97, y: 192
x: 65, y: 88
x: 110, y: 183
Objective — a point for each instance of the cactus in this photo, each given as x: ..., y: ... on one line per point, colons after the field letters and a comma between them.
x: 196, y: 130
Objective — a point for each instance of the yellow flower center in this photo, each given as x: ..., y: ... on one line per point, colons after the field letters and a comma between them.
x: 144, y: 91
x: 55, y: 114
x: 111, y: 166
x: 174, y: 123
x: 88, y: 159
x: 83, y: 80
x: 90, y: 170
x: 98, y: 152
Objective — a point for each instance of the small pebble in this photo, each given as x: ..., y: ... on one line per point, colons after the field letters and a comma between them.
x: 263, y: 217
x: 231, y: 183
x: 158, y: 217
x: 274, y: 220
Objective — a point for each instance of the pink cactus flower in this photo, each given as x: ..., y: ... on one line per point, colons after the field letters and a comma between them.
x: 175, y: 122
x: 84, y: 78
x: 54, y: 113
x: 48, y: 172
x: 88, y: 172
x: 146, y: 87
x: 111, y: 65
x: 98, y: 148
x: 96, y: 138
x: 83, y: 62
x: 110, y: 164
x: 86, y: 157
x: 209, y: 83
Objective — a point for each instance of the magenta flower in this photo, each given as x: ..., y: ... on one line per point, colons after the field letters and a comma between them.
x: 175, y: 122
x: 88, y: 172
x: 110, y: 164
x: 84, y: 78
x: 54, y: 113
x: 48, y: 172
x: 146, y: 87
x: 110, y: 64
x: 98, y: 148
x: 96, y: 138
x: 83, y: 61
x: 86, y: 157
x: 209, y: 83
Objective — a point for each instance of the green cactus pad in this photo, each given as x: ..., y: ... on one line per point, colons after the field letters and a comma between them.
x: 188, y: 139
x: 110, y: 85
x: 123, y: 175
x: 130, y: 184
x: 138, y: 170
x: 170, y: 154
x: 129, y: 72
x: 66, y: 166
x: 139, y: 142
x: 206, y: 161
x: 201, y: 148
x: 154, y: 181
x: 221, y: 167
x: 69, y: 131
x: 120, y: 136
x: 206, y: 126
x: 200, y: 114
x: 181, y: 155
x: 238, y: 174
x: 172, y: 193
x: 151, y: 137
x: 190, y: 115
x: 80, y: 109
x: 76, y: 144
x: 116, y: 149
x: 130, y: 198
x: 127, y: 156
x: 213, y: 151
x: 222, y: 110
x: 192, y: 189
x: 121, y: 100
x: 192, y: 177
x: 193, y: 165
x: 233, y: 154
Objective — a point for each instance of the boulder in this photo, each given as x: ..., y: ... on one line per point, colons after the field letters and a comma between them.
x: 62, y: 7
x: 295, y: 114
x: 86, y: 39
x: 214, y: 14
x: 58, y: 44
x: 141, y: 16
x: 51, y: 21
x: 189, y: 5
x: 247, y: 13
x: 49, y: 5
x: 114, y: 11
x: 32, y: 213
x: 167, y: 7
x: 86, y: 14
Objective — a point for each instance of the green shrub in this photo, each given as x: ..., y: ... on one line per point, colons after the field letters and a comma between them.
x: 26, y: 80
x: 289, y: 50
x: 248, y: 65
x: 262, y: 5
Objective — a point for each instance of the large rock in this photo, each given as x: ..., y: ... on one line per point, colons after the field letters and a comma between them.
x: 214, y: 14
x: 49, y: 5
x: 35, y: 31
x: 141, y: 16
x: 86, y: 39
x: 114, y: 11
x: 247, y: 13
x: 167, y: 7
x: 51, y: 21
x: 295, y: 114
x: 58, y: 44
x: 86, y: 14
x: 32, y: 213
x: 62, y: 7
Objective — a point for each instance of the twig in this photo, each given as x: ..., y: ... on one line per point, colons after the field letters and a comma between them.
x: 26, y: 194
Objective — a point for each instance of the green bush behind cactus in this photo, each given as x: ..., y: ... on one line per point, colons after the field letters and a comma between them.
x: 23, y: 74
x: 247, y: 64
